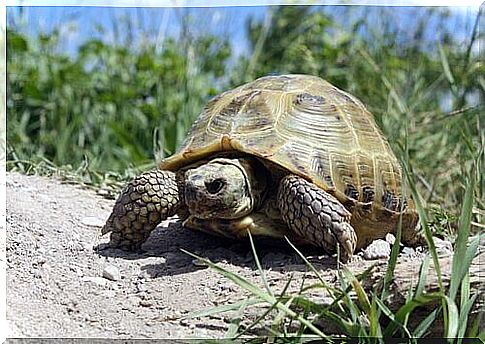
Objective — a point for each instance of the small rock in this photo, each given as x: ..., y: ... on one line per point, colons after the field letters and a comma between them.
x: 443, y: 246
x: 133, y: 301
x: 103, y: 192
x: 141, y: 288
x: 111, y: 272
x: 390, y: 238
x: 377, y: 249
x: 36, y: 273
x: 115, y: 286
x: 85, y: 246
x: 198, y: 263
x: 73, y: 246
x: 40, y: 260
x: 408, y: 251
x: 92, y: 221
x: 145, y: 303
x: 97, y: 280
x: 142, y: 295
x: 110, y: 293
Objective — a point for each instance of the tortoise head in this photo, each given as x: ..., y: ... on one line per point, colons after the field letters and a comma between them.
x: 223, y: 188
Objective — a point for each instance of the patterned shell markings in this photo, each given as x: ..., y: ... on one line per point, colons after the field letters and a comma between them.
x: 308, y: 126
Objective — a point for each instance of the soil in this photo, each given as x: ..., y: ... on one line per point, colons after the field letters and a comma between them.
x: 64, y: 281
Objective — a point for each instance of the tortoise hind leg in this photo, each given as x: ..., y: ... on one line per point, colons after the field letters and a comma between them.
x: 316, y: 216
x: 145, y: 201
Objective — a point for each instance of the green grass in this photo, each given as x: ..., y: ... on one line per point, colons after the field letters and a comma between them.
x: 357, y: 313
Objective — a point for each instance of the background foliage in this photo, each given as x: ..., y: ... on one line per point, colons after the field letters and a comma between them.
x: 110, y: 106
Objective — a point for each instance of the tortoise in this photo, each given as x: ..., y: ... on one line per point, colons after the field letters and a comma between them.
x: 288, y: 155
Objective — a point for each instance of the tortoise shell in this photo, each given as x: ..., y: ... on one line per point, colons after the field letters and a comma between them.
x: 313, y: 129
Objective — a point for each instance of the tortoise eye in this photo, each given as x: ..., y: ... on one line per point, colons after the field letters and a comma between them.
x: 215, y: 186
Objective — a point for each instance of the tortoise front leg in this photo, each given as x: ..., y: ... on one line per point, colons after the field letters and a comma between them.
x: 316, y: 216
x: 144, y: 202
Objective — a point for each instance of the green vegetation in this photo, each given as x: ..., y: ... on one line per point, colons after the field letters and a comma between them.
x: 108, y: 105
x: 104, y: 113
x: 357, y: 314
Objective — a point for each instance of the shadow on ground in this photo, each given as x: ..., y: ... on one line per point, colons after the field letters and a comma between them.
x: 168, y: 242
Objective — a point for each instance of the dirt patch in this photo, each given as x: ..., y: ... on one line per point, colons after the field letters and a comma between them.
x: 62, y: 281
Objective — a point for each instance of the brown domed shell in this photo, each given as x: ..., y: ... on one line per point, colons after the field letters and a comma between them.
x: 311, y: 128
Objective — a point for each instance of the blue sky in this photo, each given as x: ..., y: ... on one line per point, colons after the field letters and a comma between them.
x: 153, y: 24
x: 80, y: 23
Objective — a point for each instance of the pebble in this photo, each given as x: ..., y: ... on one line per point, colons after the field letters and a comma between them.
x: 40, y: 260
x: 390, y: 238
x: 377, y: 249
x: 86, y: 246
x: 176, y: 315
x: 79, y: 272
x: 92, y: 221
x: 142, y: 295
x: 198, y: 263
x: 36, y: 273
x: 133, y: 301
x: 408, y: 251
x: 97, y: 280
x: 103, y: 192
x: 110, y: 293
x: 443, y: 246
x: 145, y: 303
x: 112, y: 273
x: 140, y: 288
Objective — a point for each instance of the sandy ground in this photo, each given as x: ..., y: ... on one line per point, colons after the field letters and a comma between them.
x: 63, y: 281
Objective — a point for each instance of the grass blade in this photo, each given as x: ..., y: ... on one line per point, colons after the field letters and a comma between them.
x: 423, y: 273
x: 258, y: 264
x: 236, y: 321
x: 361, y: 295
x: 464, y: 313
x: 408, y: 307
x: 223, y: 308
x: 461, y: 260
x: 329, y: 289
x: 446, y: 66
x: 262, y: 316
x: 452, y: 328
x: 391, y: 265
x: 245, y: 284
x: 423, y: 326
x: 423, y: 218
x: 387, y: 312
